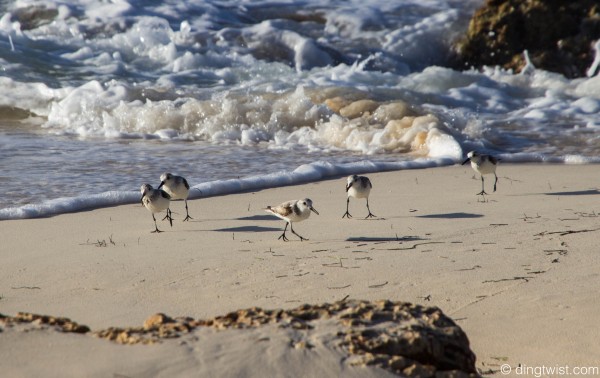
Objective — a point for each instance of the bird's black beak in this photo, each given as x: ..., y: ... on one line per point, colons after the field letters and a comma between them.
x: 314, y: 211
x: 463, y: 163
x: 348, y: 186
x: 161, y: 184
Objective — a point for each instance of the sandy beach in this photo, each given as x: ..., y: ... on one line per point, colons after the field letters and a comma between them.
x: 519, y: 273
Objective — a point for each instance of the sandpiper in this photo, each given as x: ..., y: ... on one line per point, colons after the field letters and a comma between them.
x: 156, y: 200
x: 358, y: 187
x: 178, y: 188
x: 484, y: 165
x: 292, y: 211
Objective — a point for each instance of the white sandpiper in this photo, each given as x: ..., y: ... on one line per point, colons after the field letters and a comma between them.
x: 156, y: 200
x: 177, y: 187
x: 292, y: 211
x: 484, y: 165
x: 358, y: 187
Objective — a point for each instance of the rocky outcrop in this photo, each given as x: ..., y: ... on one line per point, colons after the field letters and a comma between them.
x: 558, y: 36
x: 403, y: 338
x: 43, y: 321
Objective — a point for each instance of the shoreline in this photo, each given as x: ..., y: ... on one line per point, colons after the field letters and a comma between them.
x: 304, y: 174
x: 505, y: 270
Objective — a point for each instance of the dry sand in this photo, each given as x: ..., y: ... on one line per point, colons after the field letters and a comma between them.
x: 519, y: 273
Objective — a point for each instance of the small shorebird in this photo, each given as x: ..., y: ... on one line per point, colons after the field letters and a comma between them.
x: 177, y: 187
x: 358, y: 187
x: 156, y: 200
x: 484, y: 165
x: 292, y: 211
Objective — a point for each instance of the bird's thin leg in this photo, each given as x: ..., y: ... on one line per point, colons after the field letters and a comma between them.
x: 495, y: 182
x: 283, y: 235
x: 187, y: 214
x: 155, y: 226
x: 482, y: 187
x: 371, y: 215
x: 170, y: 216
x: 292, y: 229
x: 347, y: 214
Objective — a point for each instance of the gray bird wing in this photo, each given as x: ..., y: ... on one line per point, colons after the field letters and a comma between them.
x: 284, y: 209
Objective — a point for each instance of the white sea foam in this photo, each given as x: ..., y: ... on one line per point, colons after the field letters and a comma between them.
x: 123, y: 90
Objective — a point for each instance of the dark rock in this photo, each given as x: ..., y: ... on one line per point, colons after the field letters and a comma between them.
x: 558, y: 35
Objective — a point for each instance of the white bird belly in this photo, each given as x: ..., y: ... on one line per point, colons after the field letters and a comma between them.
x: 157, y: 204
x: 359, y: 193
x: 484, y: 168
x: 180, y: 192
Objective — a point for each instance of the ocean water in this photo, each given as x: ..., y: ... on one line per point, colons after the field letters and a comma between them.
x: 100, y: 97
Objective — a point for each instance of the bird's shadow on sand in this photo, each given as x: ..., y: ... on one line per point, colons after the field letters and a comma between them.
x: 451, y: 216
x: 590, y: 192
x: 248, y: 229
x: 253, y: 228
x: 383, y: 239
x: 259, y: 218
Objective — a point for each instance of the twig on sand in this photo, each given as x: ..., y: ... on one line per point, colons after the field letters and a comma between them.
x: 338, y: 287
x: 26, y: 287
x: 566, y: 232
x: 561, y: 252
x: 378, y: 285
x: 413, y: 247
x: 526, y: 279
x: 465, y: 269
x: 537, y: 272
